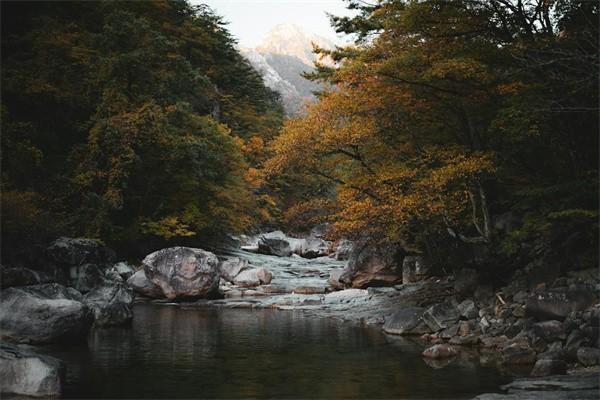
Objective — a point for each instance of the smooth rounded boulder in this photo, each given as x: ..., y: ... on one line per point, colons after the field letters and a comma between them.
x: 23, y: 372
x: 183, y: 272
x: 42, y: 314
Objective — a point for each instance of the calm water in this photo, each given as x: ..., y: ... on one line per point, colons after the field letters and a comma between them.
x: 170, y: 352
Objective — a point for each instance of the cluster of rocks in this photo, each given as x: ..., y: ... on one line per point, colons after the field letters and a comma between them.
x: 79, y: 288
x: 379, y: 266
x: 314, y: 245
x: 188, y: 273
x: 549, y: 329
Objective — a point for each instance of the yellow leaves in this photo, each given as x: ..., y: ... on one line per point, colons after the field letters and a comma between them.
x: 167, y: 228
x: 254, y: 177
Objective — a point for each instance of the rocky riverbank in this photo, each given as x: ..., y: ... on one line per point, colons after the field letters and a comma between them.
x: 544, y: 330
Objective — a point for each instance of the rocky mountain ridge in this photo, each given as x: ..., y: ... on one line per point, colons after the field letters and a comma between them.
x: 282, y: 57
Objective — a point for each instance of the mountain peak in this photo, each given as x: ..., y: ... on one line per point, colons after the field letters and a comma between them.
x: 291, y: 40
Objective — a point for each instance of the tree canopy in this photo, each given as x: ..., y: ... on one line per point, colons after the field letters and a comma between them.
x: 131, y: 122
x: 444, y: 115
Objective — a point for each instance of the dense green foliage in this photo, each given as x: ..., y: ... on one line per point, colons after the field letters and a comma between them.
x: 133, y: 122
x: 457, y: 127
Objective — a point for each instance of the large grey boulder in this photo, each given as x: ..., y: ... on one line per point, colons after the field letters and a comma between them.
x: 559, y: 303
x: 42, y: 314
x: 231, y: 267
x: 183, y: 271
x: 23, y: 372
x: 144, y: 286
x: 373, y: 266
x: 407, y: 321
x: 111, y: 304
x: 274, y: 243
x: 414, y: 269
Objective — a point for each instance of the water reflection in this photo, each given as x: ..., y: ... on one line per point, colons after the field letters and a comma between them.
x: 170, y: 352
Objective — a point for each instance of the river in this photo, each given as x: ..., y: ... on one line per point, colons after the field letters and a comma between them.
x: 174, y: 352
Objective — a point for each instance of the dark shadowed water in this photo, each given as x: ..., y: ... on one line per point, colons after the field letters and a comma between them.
x: 170, y: 352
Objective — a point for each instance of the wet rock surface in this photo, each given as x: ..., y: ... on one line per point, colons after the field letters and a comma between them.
x: 42, y: 314
x: 23, y: 372
x: 545, y: 331
x: 111, y: 304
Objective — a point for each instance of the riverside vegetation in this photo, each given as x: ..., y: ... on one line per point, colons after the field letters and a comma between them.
x: 444, y: 186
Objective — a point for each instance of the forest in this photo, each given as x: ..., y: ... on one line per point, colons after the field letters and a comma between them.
x: 464, y: 130
x: 129, y: 122
x: 425, y: 227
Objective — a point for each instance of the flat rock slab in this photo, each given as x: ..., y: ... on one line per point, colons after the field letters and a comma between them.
x: 557, y: 387
x: 542, y: 395
x: 556, y: 382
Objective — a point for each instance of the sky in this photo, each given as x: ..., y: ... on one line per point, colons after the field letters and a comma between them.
x: 250, y: 20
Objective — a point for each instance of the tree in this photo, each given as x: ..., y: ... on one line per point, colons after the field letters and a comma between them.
x: 129, y: 122
x: 446, y: 113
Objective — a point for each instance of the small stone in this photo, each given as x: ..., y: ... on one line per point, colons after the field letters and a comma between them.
x: 468, y: 309
x: 449, y: 332
x: 440, y: 351
x: 519, y: 311
x: 493, y: 341
x: 484, y: 322
x: 464, y: 328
